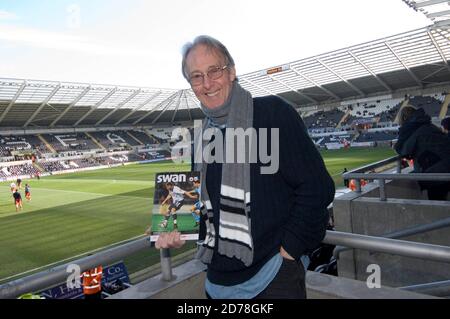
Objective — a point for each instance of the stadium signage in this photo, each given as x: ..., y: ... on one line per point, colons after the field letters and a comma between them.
x: 65, y: 138
x: 174, y: 178
x: 274, y: 70
x: 114, y: 138
x: 19, y: 145
x: 111, y: 275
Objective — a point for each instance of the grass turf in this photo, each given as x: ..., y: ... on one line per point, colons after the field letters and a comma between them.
x: 73, y: 214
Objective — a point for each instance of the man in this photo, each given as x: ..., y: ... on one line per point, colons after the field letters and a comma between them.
x: 27, y: 192
x: 256, y: 227
x: 177, y: 196
x: 17, y: 200
x: 427, y: 146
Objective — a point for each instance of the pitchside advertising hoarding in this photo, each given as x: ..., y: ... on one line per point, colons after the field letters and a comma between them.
x: 111, y: 275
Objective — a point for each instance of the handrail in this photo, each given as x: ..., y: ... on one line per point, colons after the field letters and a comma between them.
x: 382, y: 177
x: 410, y: 176
x: 389, y: 246
x: 442, y: 223
x: 58, y: 274
x: 438, y: 288
x: 375, y: 165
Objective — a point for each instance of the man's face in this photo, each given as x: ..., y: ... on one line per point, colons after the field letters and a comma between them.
x: 211, y: 93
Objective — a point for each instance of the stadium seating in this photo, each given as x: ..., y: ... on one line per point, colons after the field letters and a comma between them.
x: 17, y: 170
x: 144, y: 138
x: 10, y: 144
x: 431, y: 104
x: 113, y: 139
x: 376, y: 136
x: 324, y: 119
x: 70, y: 142
x: 162, y: 135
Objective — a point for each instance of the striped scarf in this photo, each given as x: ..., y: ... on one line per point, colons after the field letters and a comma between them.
x: 234, y: 234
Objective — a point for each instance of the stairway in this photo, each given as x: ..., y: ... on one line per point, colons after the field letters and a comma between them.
x: 47, y: 144
x: 95, y: 141
x: 397, y: 117
x: 343, y: 119
x: 134, y: 138
x: 444, y: 108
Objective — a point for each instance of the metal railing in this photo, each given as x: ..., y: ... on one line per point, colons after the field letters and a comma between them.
x: 59, y: 274
x: 43, y: 280
x: 438, y: 289
x: 376, y: 165
x: 404, y: 233
x: 382, y: 177
x: 56, y: 275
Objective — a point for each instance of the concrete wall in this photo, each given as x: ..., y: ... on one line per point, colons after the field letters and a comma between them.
x: 365, y: 214
x: 189, y: 284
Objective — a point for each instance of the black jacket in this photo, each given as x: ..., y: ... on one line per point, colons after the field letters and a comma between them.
x: 425, y: 143
x: 289, y: 208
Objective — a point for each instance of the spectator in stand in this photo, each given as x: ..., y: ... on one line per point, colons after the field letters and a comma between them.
x: 427, y: 145
x: 346, y: 181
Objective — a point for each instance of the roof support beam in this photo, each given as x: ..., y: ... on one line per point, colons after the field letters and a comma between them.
x: 168, y: 100
x: 188, y: 95
x: 438, y: 14
x: 340, y: 77
x: 167, y: 106
x: 294, y: 90
x: 77, y: 99
x: 106, y: 97
x: 315, y: 83
x: 265, y: 90
x: 428, y: 3
x: 154, y: 96
x: 128, y: 99
x: 178, y: 106
x: 13, y: 101
x: 48, y: 98
x: 370, y: 71
x: 404, y: 64
x: 439, y: 50
x: 433, y: 73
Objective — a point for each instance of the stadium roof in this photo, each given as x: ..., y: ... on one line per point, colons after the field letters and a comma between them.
x: 415, y: 59
x: 435, y: 10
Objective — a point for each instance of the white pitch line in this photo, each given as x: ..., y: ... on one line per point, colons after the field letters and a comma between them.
x: 104, y: 181
x: 97, y: 195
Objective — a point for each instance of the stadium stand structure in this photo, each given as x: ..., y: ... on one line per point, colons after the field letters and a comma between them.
x: 431, y: 104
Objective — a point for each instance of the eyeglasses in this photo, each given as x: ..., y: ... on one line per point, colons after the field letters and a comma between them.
x: 213, y: 73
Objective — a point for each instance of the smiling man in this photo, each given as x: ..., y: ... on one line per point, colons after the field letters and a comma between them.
x: 257, y: 228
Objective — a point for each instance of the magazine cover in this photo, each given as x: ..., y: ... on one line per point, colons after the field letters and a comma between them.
x: 176, y: 204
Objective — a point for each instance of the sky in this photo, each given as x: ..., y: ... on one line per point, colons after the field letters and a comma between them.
x: 138, y: 42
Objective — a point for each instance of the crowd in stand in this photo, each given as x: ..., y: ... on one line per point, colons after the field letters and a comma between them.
x: 366, y: 119
x: 18, y: 170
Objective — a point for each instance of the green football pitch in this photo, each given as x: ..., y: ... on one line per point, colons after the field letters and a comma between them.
x: 72, y: 214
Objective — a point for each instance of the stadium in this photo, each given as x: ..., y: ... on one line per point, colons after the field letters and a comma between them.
x: 90, y: 152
